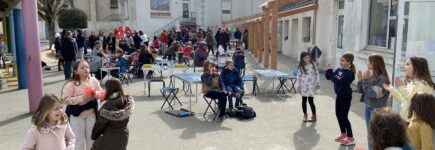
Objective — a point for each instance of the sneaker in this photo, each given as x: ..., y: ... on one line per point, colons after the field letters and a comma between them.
x: 219, y: 119
x: 340, y: 138
x: 348, y: 141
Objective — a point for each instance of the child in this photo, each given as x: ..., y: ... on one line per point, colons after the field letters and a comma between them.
x: 96, y: 63
x: 187, y: 52
x: 342, y: 78
x: 50, y: 128
x: 388, y: 131
x: 110, y: 131
x: 81, y: 105
x: 233, y: 83
x: 422, y: 120
x: 239, y: 61
x: 213, y: 87
x: 122, y: 64
x: 417, y: 70
x: 308, y: 81
x: 370, y: 85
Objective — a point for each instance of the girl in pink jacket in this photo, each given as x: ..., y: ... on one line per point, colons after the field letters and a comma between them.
x: 50, y: 128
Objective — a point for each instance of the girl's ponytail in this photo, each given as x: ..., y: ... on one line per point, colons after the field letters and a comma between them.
x: 352, y: 67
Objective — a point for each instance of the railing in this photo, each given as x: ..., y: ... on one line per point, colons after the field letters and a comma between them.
x: 169, y: 25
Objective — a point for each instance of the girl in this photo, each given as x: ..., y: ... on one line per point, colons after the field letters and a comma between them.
x: 308, y: 81
x: 50, y: 128
x: 417, y: 70
x: 370, y: 85
x: 342, y: 78
x: 387, y: 130
x: 422, y: 116
x: 213, y: 87
x: 81, y: 105
x: 110, y: 131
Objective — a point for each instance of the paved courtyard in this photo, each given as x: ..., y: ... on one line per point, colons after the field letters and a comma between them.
x: 278, y: 124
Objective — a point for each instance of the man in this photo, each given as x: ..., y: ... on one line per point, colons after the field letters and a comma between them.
x: 69, y: 53
x: 80, y: 44
x: 3, y: 51
x: 225, y: 39
x: 217, y: 36
x: 164, y: 40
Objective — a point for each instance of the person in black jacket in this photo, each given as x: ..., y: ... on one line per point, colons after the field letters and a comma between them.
x: 91, y: 41
x: 80, y: 44
x: 137, y: 40
x: 217, y: 37
x: 145, y: 57
x: 110, y: 131
x: 69, y: 52
x: 58, y: 48
x: 111, y: 42
x: 225, y: 39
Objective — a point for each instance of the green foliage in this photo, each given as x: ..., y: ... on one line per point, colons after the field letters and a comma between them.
x: 73, y: 19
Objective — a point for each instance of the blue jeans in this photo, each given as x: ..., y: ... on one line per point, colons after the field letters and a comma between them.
x: 114, y: 73
x: 234, y: 89
x: 368, y: 114
x: 67, y: 70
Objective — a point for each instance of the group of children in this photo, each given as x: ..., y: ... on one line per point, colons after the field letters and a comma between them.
x: 79, y: 127
x: 385, y: 128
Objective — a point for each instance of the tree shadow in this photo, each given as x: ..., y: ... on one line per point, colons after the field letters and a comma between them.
x: 306, y: 137
x: 192, y: 125
x: 14, y: 119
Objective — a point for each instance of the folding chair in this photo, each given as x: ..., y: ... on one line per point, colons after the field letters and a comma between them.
x: 252, y: 78
x: 125, y: 78
x: 210, y: 102
x: 167, y: 92
x: 282, y: 86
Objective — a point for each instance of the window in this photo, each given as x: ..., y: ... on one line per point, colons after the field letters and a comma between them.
x: 160, y: 8
x: 226, y: 11
x: 341, y: 4
x: 340, y: 31
x: 306, y: 26
x: 383, y: 21
x: 113, y: 3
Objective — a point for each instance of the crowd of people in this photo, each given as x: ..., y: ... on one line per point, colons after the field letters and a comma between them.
x: 85, y: 99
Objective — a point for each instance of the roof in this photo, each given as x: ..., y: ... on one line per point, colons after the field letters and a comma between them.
x: 6, y: 6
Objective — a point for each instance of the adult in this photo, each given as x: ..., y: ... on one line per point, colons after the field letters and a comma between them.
x: 129, y: 40
x: 164, y: 41
x: 238, y: 34
x: 102, y: 38
x: 69, y: 53
x: 80, y: 44
x: 91, y: 41
x: 217, y: 36
x: 137, y: 40
x: 170, y: 53
x: 111, y: 41
x: 245, y: 38
x: 145, y: 57
x: 144, y: 37
x: 200, y: 55
x: 210, y: 42
x: 58, y: 48
x: 2, y: 51
x: 225, y: 39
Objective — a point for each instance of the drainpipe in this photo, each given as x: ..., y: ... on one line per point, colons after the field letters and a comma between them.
x: 314, y: 23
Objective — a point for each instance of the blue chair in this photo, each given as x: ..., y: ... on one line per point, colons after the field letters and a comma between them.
x: 167, y: 92
x: 253, y: 79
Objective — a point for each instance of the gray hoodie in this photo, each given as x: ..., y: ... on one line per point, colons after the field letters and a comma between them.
x: 374, y: 95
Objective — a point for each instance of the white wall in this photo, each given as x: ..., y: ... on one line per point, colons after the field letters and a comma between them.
x: 301, y: 45
x: 1, y: 27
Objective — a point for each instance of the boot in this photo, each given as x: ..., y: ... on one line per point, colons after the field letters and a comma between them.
x: 231, y: 107
x: 313, y: 118
x: 305, y: 118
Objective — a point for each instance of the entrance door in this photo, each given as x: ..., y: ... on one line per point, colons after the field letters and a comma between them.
x: 340, y: 27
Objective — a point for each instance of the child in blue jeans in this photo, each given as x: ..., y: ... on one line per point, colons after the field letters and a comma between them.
x: 342, y: 78
x: 232, y: 82
x: 122, y: 64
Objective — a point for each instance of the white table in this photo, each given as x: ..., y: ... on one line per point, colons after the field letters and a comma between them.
x: 161, y: 68
x: 274, y: 74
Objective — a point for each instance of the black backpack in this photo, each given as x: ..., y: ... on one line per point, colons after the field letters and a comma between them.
x: 246, y: 112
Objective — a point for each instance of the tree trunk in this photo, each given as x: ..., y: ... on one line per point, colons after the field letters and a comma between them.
x: 51, y: 32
